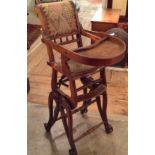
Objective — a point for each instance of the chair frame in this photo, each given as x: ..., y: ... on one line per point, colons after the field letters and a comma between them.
x: 40, y: 1
x: 92, y: 89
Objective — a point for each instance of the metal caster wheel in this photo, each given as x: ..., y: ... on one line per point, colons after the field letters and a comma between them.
x: 108, y: 129
x: 47, y: 127
x: 72, y: 152
x: 84, y: 111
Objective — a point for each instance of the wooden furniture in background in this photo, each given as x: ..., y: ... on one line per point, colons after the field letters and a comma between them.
x: 80, y: 63
x: 28, y: 85
x: 105, y: 19
x: 28, y: 82
x: 33, y: 32
x: 119, y: 4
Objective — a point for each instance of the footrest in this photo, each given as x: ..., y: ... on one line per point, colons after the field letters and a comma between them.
x: 93, y: 93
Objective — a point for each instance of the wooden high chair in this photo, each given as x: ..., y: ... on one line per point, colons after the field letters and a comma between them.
x: 60, y: 25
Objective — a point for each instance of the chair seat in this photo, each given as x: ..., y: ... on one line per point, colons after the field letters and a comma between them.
x: 77, y: 68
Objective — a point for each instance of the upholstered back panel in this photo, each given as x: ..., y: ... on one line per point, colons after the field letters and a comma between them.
x: 59, y: 18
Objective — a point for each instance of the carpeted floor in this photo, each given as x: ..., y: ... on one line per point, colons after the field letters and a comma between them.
x: 96, y: 143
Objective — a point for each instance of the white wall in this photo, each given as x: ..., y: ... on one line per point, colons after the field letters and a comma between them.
x: 104, y: 4
x: 120, y: 4
x: 117, y: 4
x: 30, y: 5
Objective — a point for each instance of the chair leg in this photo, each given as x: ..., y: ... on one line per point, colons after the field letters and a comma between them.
x: 68, y: 125
x: 85, y: 110
x: 53, y: 113
x: 103, y: 112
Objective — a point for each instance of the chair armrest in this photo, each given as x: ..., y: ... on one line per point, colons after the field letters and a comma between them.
x: 90, y: 35
x: 97, y: 33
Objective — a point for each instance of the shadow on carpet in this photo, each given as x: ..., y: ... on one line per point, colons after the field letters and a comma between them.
x: 96, y: 143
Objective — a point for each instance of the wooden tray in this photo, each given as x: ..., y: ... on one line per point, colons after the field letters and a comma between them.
x: 104, y: 52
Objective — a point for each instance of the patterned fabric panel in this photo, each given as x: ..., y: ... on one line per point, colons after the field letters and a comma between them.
x: 46, y: 1
x: 60, y: 18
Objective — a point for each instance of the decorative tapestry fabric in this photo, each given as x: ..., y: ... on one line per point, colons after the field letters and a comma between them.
x: 60, y: 18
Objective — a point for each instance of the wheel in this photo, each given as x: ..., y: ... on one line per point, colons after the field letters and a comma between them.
x: 72, y: 152
x: 53, y: 110
x: 47, y: 127
x: 85, y: 110
x: 108, y: 128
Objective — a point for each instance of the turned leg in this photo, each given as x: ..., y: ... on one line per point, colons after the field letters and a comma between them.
x: 53, y: 110
x: 103, y: 107
x: 68, y: 124
x: 103, y: 112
